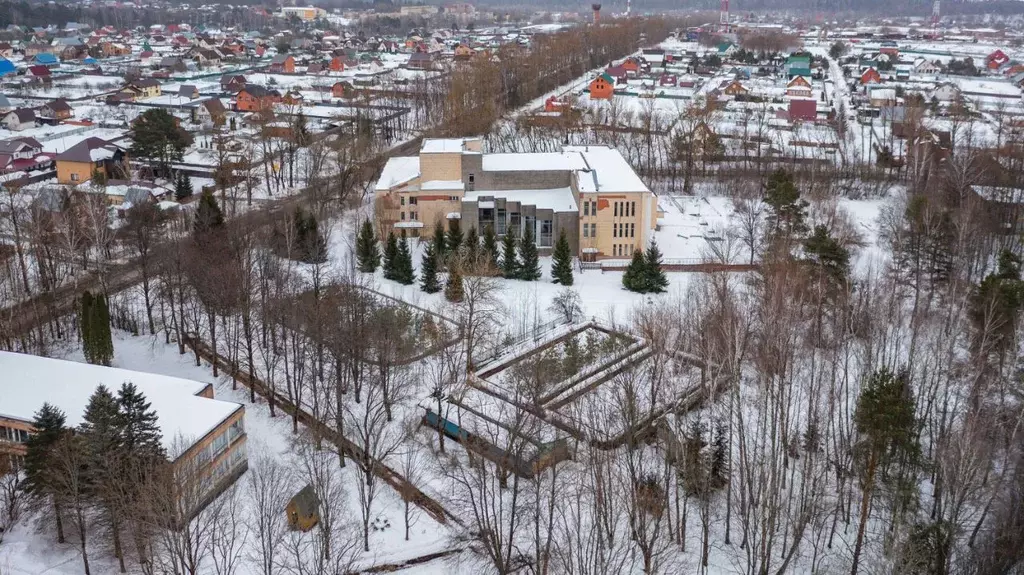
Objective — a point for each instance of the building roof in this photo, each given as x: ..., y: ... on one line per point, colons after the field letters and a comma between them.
x: 15, y: 145
x: 257, y: 91
x: 306, y: 502
x: 32, y: 380
x: 91, y: 149
x: 214, y: 107
x: 398, y: 171
x: 555, y: 199
x: 24, y: 115
x: 608, y: 171
x: 540, y: 161
x: 444, y: 145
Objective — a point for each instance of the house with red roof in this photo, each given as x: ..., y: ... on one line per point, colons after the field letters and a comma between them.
x: 996, y: 59
x: 870, y: 76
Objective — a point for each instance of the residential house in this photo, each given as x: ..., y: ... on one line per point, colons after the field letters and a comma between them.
x: 188, y: 91
x: 996, y: 59
x: 7, y: 67
x: 602, y: 87
x: 253, y: 98
x: 924, y: 66
x: 420, y: 61
x: 803, y: 110
x: 6, y: 50
x: 54, y: 111
x: 19, y: 119
x: 201, y: 435
x: 463, y: 52
x: 341, y: 90
x: 799, y: 87
x: 870, y: 76
x: 78, y: 163
x: 337, y: 63
x: 46, y: 59
x: 39, y: 71
x: 122, y: 193
x: 142, y: 89
x: 668, y: 80
x: 303, y: 509
x: 798, y: 65
x: 212, y: 111
x: 22, y: 154
x: 232, y: 83
x: 172, y: 64
x: 5, y: 104
x: 882, y: 97
x: 292, y: 98
x: 590, y: 193
x: 282, y: 64
x: 946, y: 92
x: 735, y: 88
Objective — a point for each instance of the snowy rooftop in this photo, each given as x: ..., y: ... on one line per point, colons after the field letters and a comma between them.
x: 442, y: 185
x: 557, y: 199
x: 32, y: 380
x: 550, y: 161
x: 445, y: 145
x: 398, y: 171
x: 610, y: 172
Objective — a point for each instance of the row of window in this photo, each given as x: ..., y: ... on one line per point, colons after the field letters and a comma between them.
x: 625, y: 209
x: 220, y: 443
x: 412, y: 216
x: 624, y: 231
x: 227, y: 465
x: 590, y: 230
x: 413, y: 200
x: 622, y: 250
x: 12, y: 434
x: 13, y: 462
x: 589, y: 207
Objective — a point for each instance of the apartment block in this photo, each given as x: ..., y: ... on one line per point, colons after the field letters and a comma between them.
x: 589, y: 192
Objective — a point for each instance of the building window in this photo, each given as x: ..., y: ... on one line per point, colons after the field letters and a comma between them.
x: 632, y: 208
x: 472, y: 178
x: 616, y: 209
x: 401, y: 200
x: 403, y: 216
x: 219, y: 444
x: 453, y: 198
x: 74, y: 177
x: 632, y: 230
x: 237, y: 428
x: 586, y: 208
x: 615, y: 230
x: 593, y: 230
x: 412, y: 216
x: 586, y: 231
x: 413, y: 201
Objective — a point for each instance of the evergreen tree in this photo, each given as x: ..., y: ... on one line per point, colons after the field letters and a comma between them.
x: 183, y: 188
x: 654, y: 279
x: 529, y: 260
x: 101, y: 441
x: 995, y: 307
x: 509, y: 262
x: 208, y: 215
x: 454, y: 237
x: 440, y: 242
x: 472, y: 244
x: 491, y: 247
x: 390, y: 256
x: 561, y: 261
x: 140, y: 434
x: 94, y: 322
x: 453, y: 289
x: 40, y: 467
x: 635, y: 278
x: 828, y: 255
x: 428, y: 271
x: 788, y: 211
x: 404, y: 273
x: 367, y: 251
x: 85, y: 325
x: 312, y: 245
x: 157, y: 136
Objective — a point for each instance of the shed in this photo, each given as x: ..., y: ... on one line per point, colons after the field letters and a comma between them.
x: 304, y: 509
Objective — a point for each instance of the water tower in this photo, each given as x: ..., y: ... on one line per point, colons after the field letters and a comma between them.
x: 597, y: 12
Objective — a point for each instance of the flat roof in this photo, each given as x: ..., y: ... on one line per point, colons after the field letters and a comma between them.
x: 32, y: 380
x: 555, y: 199
x: 539, y: 161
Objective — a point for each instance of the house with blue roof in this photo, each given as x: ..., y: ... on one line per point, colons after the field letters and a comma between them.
x: 6, y: 67
x: 46, y: 59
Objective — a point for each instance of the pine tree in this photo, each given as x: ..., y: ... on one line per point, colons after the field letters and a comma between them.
x: 654, y: 279
x: 208, y: 215
x: 635, y: 277
x: 472, y: 244
x: 367, y: 251
x: 404, y: 273
x: 491, y: 247
x: 828, y: 254
x: 453, y: 289
x: 561, y: 261
x: 104, y: 340
x: 312, y: 245
x: 40, y: 467
x: 440, y: 242
x: 428, y: 271
x: 85, y: 324
x: 140, y: 434
x: 183, y: 188
x: 509, y: 263
x: 390, y: 256
x: 529, y: 260
x: 788, y: 211
x: 454, y: 237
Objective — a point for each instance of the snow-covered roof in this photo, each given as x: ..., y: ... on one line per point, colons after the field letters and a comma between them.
x: 398, y: 170
x: 557, y: 199
x: 32, y: 380
x: 442, y: 185
x: 542, y: 161
x: 609, y: 171
x: 444, y: 145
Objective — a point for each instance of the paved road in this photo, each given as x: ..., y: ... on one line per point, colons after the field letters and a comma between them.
x: 19, y: 319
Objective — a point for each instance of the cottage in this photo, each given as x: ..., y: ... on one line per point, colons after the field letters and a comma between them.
x: 735, y: 88
x: 870, y: 76
x: 420, y: 61
x: 799, y: 87
x: 19, y: 119
x: 188, y: 91
x: 924, y: 66
x: 19, y: 154
x: 803, y: 110
x: 142, y: 88
x: 212, y: 111
x: 253, y: 98
x: 883, y: 97
x: 341, y: 89
x: 946, y: 92
x: 602, y: 87
x: 303, y: 509
x: 232, y: 83
x: 55, y: 111
x: 282, y: 64
x: 996, y: 59
x: 463, y: 52
x: 92, y: 155
x: 38, y: 71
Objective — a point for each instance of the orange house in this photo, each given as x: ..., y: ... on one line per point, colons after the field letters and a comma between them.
x: 337, y: 64
x: 553, y: 104
x: 631, y: 65
x: 602, y: 87
x: 283, y: 64
x: 870, y: 76
x: 736, y: 89
x: 253, y: 98
x: 340, y: 89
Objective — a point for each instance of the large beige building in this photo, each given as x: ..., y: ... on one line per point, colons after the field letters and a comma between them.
x: 590, y: 192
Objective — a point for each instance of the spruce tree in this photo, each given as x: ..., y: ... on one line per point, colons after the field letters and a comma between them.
x: 40, y: 467
x: 208, y: 215
x: 635, y: 277
x: 101, y: 440
x: 104, y: 341
x: 367, y: 251
x: 654, y: 277
x: 491, y: 247
x: 440, y: 242
x: 561, y: 261
x: 312, y: 245
x: 472, y: 244
x: 404, y: 273
x: 85, y: 325
x: 140, y: 434
x: 454, y: 237
x: 390, y: 256
x: 509, y: 263
x: 453, y: 289
x: 529, y: 260
x: 428, y: 271
x: 183, y: 188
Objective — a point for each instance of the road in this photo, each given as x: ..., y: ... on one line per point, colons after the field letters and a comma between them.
x: 21, y: 318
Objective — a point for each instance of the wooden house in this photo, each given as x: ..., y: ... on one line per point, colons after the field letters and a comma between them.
x: 799, y: 87
x: 303, y: 509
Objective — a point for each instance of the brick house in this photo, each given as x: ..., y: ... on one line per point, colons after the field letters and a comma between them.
x: 253, y: 98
